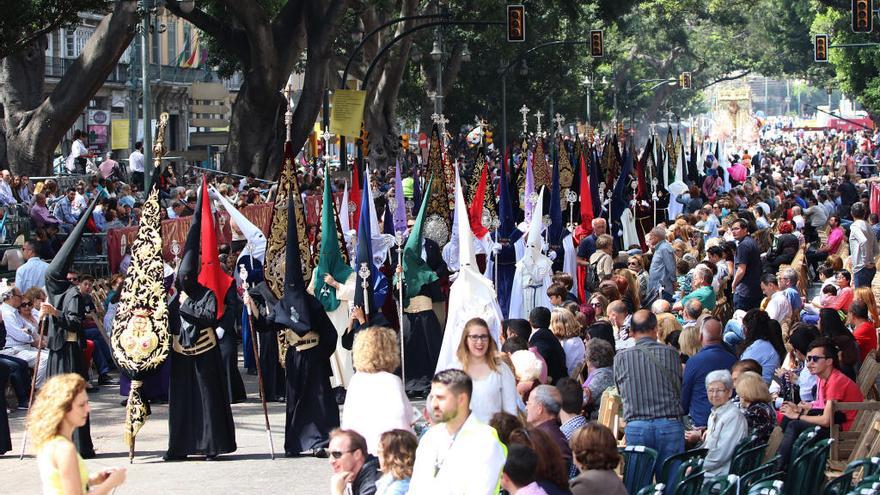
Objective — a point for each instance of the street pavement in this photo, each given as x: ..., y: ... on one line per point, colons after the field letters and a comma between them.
x: 248, y: 470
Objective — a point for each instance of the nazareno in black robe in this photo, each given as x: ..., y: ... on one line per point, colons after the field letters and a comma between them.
x: 312, y: 411
x: 67, y: 356
x: 274, y: 383
x: 229, y: 347
x: 199, y: 416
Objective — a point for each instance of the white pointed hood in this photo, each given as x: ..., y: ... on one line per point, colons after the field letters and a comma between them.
x: 381, y: 242
x: 535, y: 265
x: 256, y: 240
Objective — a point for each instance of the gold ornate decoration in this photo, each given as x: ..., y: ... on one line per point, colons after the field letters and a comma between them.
x: 672, y: 153
x: 566, y: 171
x: 540, y: 168
x: 159, y: 144
x: 139, y: 337
x: 437, y: 196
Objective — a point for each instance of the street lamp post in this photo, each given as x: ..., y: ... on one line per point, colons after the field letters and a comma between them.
x: 146, y: 21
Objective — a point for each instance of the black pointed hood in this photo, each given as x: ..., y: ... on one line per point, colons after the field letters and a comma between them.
x: 56, y: 273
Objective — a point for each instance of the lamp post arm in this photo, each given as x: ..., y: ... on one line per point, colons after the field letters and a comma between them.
x: 372, y: 33
x: 536, y: 47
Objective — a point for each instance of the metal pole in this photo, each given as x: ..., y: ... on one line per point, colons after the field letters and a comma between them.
x: 503, y: 119
x: 145, y: 88
x: 438, y: 101
x: 589, y: 95
x: 766, y: 98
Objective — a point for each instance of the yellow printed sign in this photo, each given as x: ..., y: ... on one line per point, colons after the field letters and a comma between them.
x: 119, y: 130
x: 347, y: 113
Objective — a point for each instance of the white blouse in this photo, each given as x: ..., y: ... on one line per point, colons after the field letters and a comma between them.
x: 575, y: 352
x: 376, y: 403
x: 496, y: 392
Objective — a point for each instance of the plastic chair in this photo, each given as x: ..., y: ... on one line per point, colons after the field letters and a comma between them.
x: 839, y: 486
x: 804, y: 442
x: 721, y: 485
x: 769, y: 487
x: 638, y: 467
x: 674, y: 463
x: 807, y: 472
x: 760, y: 473
x: 844, y: 483
x: 746, y: 456
x: 652, y: 489
x: 691, y: 484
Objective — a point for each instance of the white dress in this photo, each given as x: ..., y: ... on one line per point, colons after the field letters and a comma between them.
x: 496, y: 392
x: 376, y: 403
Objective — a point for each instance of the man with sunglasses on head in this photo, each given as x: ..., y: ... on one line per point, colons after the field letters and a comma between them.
x: 355, y: 470
x: 822, y: 362
x: 20, y: 341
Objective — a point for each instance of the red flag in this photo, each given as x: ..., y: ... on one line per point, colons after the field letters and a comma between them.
x: 211, y: 275
x: 476, y: 211
x: 354, y: 196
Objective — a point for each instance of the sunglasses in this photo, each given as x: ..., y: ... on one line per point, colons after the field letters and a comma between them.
x: 26, y: 304
x: 337, y: 454
x: 816, y: 359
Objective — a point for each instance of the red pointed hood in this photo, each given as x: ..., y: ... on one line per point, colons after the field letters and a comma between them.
x: 211, y: 275
x: 475, y: 215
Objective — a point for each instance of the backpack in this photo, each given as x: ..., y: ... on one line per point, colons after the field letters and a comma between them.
x: 591, y: 280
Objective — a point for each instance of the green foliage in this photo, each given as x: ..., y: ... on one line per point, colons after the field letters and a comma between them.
x: 24, y: 21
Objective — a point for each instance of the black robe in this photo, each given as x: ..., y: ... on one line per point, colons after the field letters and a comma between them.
x: 5, y: 439
x: 422, y: 339
x: 199, y: 416
x: 229, y: 348
x: 274, y: 383
x: 312, y: 411
x: 67, y: 357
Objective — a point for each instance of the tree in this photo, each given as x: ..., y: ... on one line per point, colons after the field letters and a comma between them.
x: 34, y: 124
x: 22, y: 23
x: 266, y: 39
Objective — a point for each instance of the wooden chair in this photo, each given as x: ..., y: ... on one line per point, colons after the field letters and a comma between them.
x: 867, y: 445
x: 845, y: 442
x: 610, y: 409
x: 576, y: 372
x: 867, y: 376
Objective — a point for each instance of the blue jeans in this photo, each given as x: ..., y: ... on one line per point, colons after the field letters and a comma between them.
x: 664, y: 435
x: 733, y: 333
x: 103, y: 357
x: 863, y: 277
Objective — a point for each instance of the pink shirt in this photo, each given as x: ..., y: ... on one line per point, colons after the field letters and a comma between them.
x: 838, y: 387
x: 834, y: 239
x: 531, y: 489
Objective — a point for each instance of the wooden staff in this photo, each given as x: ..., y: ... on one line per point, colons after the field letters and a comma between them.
x: 244, y: 275
x: 41, y: 331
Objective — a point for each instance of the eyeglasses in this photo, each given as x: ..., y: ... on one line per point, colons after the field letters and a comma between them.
x: 815, y: 359
x: 715, y: 391
x: 478, y: 338
x: 26, y: 304
x: 337, y: 454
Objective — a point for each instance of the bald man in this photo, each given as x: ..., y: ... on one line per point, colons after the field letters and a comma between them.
x: 713, y: 356
x: 620, y: 318
x: 666, y: 321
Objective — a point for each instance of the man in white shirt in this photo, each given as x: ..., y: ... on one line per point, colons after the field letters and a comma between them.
x: 459, y: 454
x: 778, y: 306
x: 21, y: 341
x: 6, y: 197
x: 33, y: 272
x: 862, y: 247
x: 75, y: 162
x: 136, y: 165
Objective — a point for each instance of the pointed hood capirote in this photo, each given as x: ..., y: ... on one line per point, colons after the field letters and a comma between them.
x: 330, y: 260
x: 292, y: 311
x: 364, y: 258
x: 56, y: 273
x: 416, y: 271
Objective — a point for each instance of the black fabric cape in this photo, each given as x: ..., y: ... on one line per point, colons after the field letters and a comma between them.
x: 422, y: 339
x: 229, y: 348
x: 199, y: 416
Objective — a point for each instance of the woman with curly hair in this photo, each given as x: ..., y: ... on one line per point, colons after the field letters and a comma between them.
x: 494, y: 385
x: 397, y: 455
x: 60, y: 408
x: 630, y: 294
x: 566, y: 328
x: 375, y: 401
x: 594, y: 449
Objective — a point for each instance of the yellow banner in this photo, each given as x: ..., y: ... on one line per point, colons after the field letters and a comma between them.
x: 347, y: 113
x: 119, y: 130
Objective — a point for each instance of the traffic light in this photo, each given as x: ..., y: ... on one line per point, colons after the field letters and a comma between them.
x: 488, y: 137
x: 404, y: 141
x: 862, y: 16
x: 516, y: 23
x: 597, y: 49
x: 684, y: 80
x: 820, y: 48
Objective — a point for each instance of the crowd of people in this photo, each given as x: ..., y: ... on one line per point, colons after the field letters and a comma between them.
x: 748, y: 312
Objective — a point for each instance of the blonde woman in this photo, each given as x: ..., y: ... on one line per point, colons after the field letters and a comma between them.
x: 866, y: 295
x: 376, y: 401
x: 61, y: 407
x: 494, y: 385
x: 565, y: 327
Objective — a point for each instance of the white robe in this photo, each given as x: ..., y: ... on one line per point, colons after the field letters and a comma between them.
x: 340, y: 361
x: 630, y: 236
x: 569, y: 264
x: 468, y: 298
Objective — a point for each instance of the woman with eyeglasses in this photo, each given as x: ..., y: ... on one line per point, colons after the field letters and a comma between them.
x: 493, y: 381
x: 834, y: 386
x: 726, y: 427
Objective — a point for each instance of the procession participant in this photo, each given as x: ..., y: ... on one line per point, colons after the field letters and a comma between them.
x: 65, y: 310
x: 199, y: 416
x: 307, y: 339
x: 533, y: 270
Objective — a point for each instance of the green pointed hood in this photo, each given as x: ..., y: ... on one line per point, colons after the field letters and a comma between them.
x: 416, y: 271
x: 330, y: 260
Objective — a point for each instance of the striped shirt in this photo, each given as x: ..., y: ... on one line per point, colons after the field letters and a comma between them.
x: 646, y: 390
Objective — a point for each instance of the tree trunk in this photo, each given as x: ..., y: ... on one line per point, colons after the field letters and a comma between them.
x: 256, y: 134
x: 34, y: 124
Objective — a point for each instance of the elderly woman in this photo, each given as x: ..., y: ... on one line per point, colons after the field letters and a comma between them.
x: 595, y: 453
x: 726, y: 427
x: 600, y: 375
x: 375, y: 401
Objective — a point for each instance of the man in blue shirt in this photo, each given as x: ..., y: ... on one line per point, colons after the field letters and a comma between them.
x: 788, y: 285
x: 713, y: 356
x: 661, y: 274
x: 64, y: 209
x: 710, y: 223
